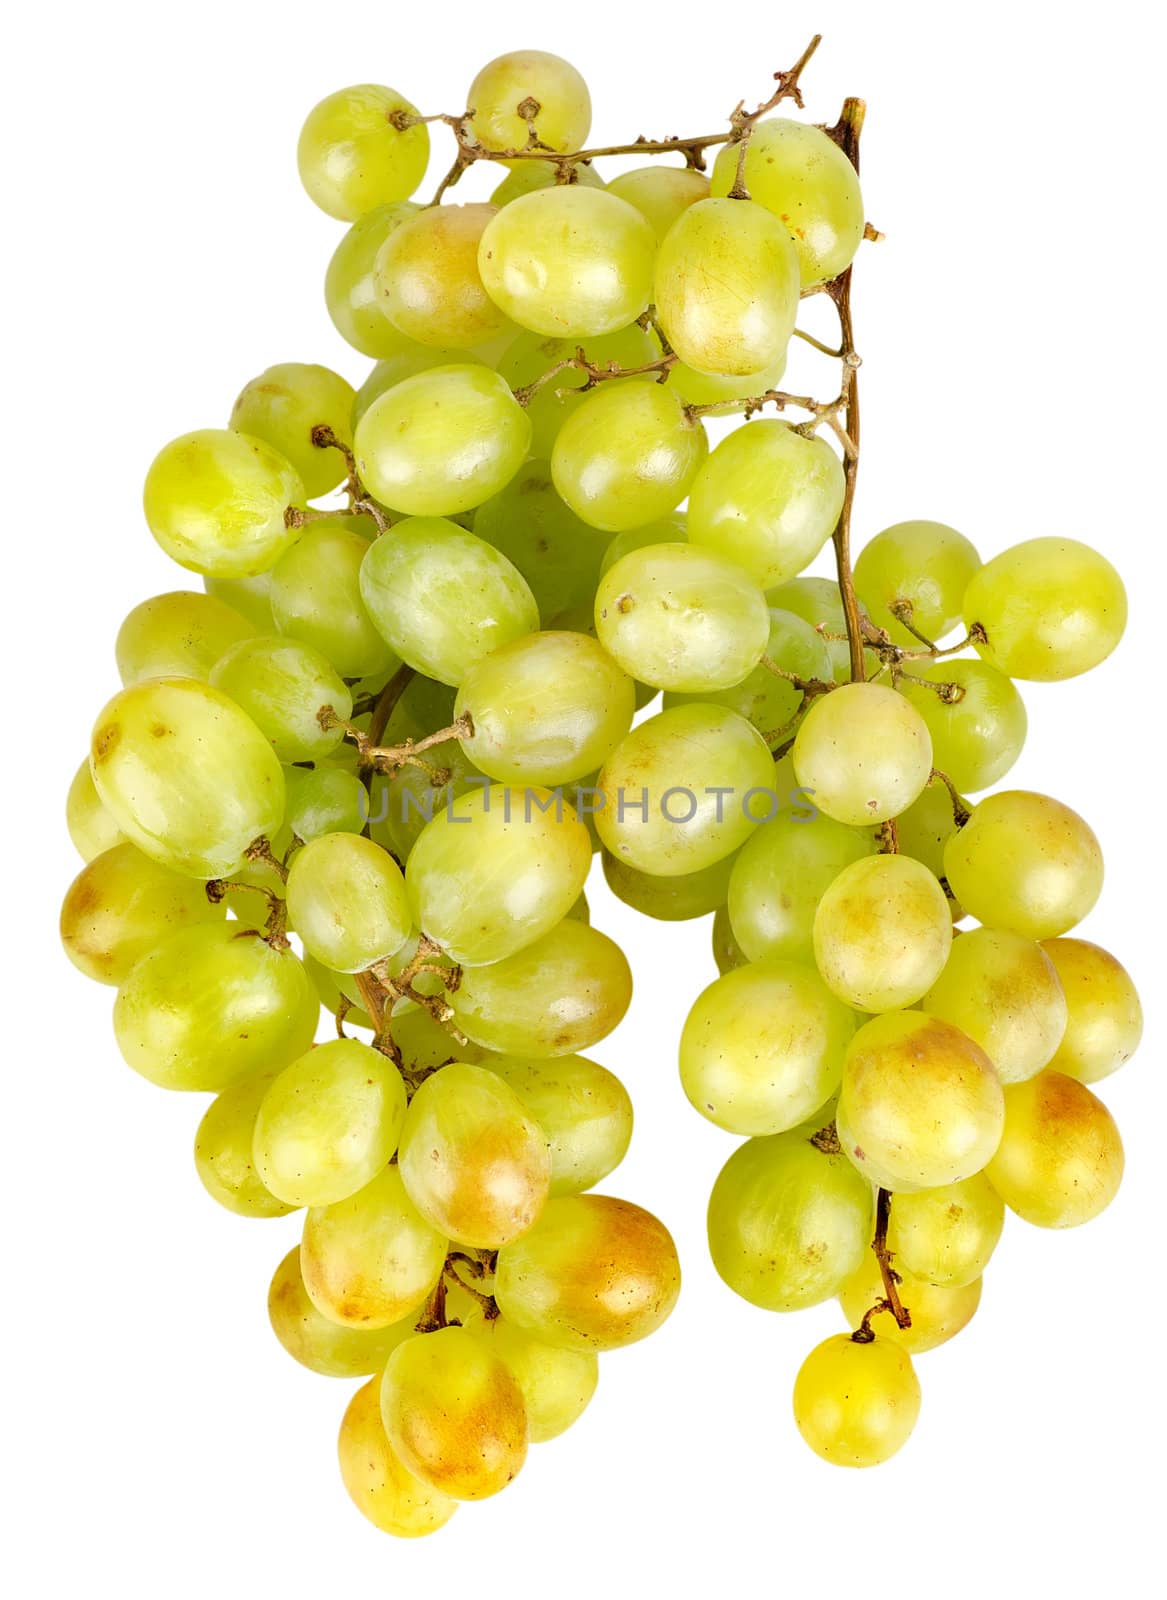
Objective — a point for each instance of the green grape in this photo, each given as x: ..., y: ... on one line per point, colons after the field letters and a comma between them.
x: 727, y: 288
x: 442, y: 441
x: 817, y: 601
x: 402, y: 806
x: 762, y: 1047
x: 352, y: 158
x: 921, y: 1104
x: 856, y: 1404
x: 224, y: 1158
x: 947, y: 1236
x: 285, y: 404
x: 922, y: 569
x: 545, y: 709
x: 347, y: 901
x: 563, y: 111
x: 527, y: 176
x: 350, y: 286
x: 427, y: 278
x: 1004, y: 992
x: 1025, y: 863
x: 324, y: 800
x: 443, y: 598
x: 320, y: 1344
x: 371, y: 1259
x: 768, y: 498
x: 788, y: 1222
x: 679, y: 791
x: 473, y: 1162
x: 627, y: 455
x: 1104, y: 1017
x: 496, y: 871
x: 676, y: 899
x: 594, y: 1273
x: 211, y: 1006
x: 122, y: 905
x: 186, y: 775
x: 250, y: 597
x: 714, y: 389
x: 557, y: 1384
x: 91, y: 827
x: 800, y: 174
x: 557, y: 996
x: 316, y: 598
x: 772, y: 703
x: 681, y: 618
x: 583, y: 1109
x: 924, y: 829
x: 283, y: 686
x: 1049, y: 608
x: 557, y: 553
x: 666, y: 530
x: 882, y: 933
x: 572, y: 261
x: 215, y: 501
x: 977, y: 738
x: 661, y: 194
x: 407, y: 361
x: 1060, y: 1159
x: 329, y: 1123
x: 728, y: 955
x: 178, y: 635
x: 424, y: 1042
x: 863, y: 752
x: 532, y: 355
x: 380, y: 1486
x: 938, y: 1312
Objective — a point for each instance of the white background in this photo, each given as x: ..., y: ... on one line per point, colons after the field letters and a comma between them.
x: 161, y: 253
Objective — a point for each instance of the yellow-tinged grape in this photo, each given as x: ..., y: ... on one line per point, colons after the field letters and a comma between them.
x: 545, y: 709
x: 661, y: 194
x: 320, y: 1344
x: 283, y: 685
x: 882, y: 933
x: 595, y: 1273
x: 676, y: 899
x: 921, y: 1104
x: 370, y: 1259
x: 443, y: 598
x: 211, y: 1006
x: 1060, y: 1159
x: 1049, y: 608
x: 713, y: 389
x: 250, y: 597
x: 526, y: 176
x: 863, y: 753
x: 324, y: 800
x: 474, y: 1163
x: 569, y: 261
x: 762, y: 1047
x: 454, y: 1413
x: 921, y: 569
x: 427, y: 278
x: 977, y: 737
x: 497, y: 870
x: 352, y: 158
x: 938, y: 1312
x: 1104, y: 1015
x: 788, y: 1221
x: 681, y: 618
x: 817, y: 601
x: 768, y: 700
x: 727, y: 287
x: 441, y: 441
x: 285, y: 404
x: 179, y: 635
x: 557, y: 1384
x: 121, y: 906
x: 380, y: 1486
x: 784, y: 869
x: 946, y: 1236
x: 347, y: 901
x: 680, y: 792
x: 800, y: 174
x: 627, y: 455
x: 1004, y: 992
x: 316, y: 598
x: 350, y: 286
x: 215, y: 501
x: 1026, y: 863
x: 583, y: 1109
x: 666, y: 530
x: 329, y: 1123
x: 406, y: 362
x: 856, y: 1404
x: 728, y: 955
x: 560, y: 118
x: 559, y: 995
x: 91, y: 827
x: 769, y: 498
x: 533, y: 355
x: 558, y: 554
x: 224, y: 1154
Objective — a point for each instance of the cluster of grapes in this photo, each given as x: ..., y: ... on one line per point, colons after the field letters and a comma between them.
x: 396, y: 730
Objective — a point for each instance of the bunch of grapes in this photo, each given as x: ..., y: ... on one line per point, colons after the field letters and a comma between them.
x: 368, y: 769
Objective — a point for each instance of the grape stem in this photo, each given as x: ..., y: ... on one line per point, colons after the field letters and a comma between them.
x: 275, y: 930
x: 960, y: 812
x: 891, y: 1301
x: 391, y: 758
